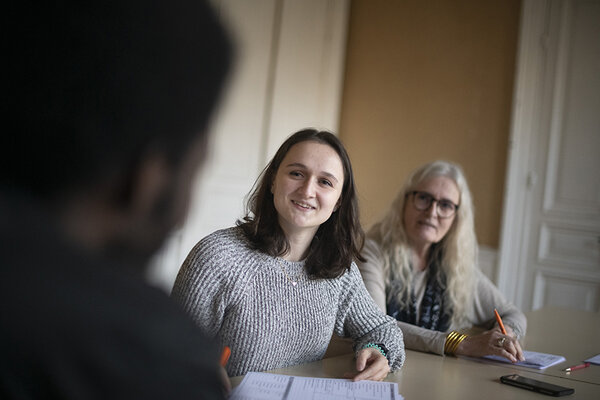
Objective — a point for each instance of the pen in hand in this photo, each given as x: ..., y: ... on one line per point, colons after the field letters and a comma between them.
x: 519, y: 355
x: 499, y: 320
x: 224, y: 377
x: 225, y: 356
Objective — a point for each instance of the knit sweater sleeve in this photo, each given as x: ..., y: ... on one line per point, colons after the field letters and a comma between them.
x: 487, y: 297
x: 359, y: 318
x: 206, y: 285
x: 372, y: 271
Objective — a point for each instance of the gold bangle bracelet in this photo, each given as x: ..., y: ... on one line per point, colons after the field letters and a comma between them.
x: 453, y: 340
x: 453, y: 337
x: 450, y: 342
x: 457, y: 342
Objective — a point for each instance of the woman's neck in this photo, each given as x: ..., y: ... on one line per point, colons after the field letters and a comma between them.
x: 299, y: 245
x: 420, y: 257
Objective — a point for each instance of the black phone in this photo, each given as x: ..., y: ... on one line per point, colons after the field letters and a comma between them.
x: 536, y: 386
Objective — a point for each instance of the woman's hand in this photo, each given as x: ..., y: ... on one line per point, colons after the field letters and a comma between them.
x: 516, y: 346
x: 492, y: 342
x: 225, y: 381
x: 371, y: 365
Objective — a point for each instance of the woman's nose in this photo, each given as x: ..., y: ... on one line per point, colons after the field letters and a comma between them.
x: 431, y: 211
x: 308, y: 188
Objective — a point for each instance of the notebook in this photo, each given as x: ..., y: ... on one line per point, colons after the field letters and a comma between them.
x: 533, y: 359
x: 594, y: 360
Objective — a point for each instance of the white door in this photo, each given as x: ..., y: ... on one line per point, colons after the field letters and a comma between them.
x: 550, y: 246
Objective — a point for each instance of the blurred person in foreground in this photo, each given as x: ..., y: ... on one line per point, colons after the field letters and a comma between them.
x: 421, y: 269
x: 106, y: 104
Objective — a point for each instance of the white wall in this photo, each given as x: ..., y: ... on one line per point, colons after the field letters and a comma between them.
x: 288, y: 76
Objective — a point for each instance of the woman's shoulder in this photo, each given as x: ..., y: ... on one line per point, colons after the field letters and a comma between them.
x: 222, y: 244
x: 223, y: 238
x: 228, y: 249
x: 353, y: 272
x: 349, y: 278
x: 372, y: 247
x: 373, y: 254
x: 480, y: 278
x: 216, y: 268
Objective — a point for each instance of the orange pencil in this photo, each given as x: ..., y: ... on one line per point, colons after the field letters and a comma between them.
x: 499, y: 321
x: 225, y: 355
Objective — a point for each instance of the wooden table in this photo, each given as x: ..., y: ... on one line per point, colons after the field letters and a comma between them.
x: 574, y: 334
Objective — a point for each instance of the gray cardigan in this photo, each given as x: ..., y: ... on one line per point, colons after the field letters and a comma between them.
x: 243, y: 298
x: 486, y: 297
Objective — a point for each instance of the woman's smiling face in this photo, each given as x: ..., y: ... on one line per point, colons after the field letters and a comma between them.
x: 425, y: 227
x: 307, y: 187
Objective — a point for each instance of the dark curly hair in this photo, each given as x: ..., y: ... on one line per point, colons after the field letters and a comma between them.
x: 338, y: 240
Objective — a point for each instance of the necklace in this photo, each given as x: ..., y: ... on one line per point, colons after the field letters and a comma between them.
x: 293, y: 282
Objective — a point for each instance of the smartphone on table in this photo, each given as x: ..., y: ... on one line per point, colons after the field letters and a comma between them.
x: 536, y: 386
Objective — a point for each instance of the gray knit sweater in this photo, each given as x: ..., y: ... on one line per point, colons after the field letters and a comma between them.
x: 243, y: 298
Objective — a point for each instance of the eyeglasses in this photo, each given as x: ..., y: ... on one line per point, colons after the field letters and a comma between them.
x: 423, y: 200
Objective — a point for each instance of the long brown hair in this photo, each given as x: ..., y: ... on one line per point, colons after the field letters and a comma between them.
x: 338, y: 240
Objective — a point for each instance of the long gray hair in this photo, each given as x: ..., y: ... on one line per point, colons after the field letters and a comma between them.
x: 457, y: 249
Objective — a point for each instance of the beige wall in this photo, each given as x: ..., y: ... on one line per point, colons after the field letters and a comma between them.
x: 430, y: 80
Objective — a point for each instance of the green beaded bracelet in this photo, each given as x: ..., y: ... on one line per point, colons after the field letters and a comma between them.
x: 376, y: 347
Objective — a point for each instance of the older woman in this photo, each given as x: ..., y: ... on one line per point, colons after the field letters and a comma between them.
x: 420, y: 268
x: 275, y: 287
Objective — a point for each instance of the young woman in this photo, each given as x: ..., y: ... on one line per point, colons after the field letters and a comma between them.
x: 277, y: 286
x: 420, y: 267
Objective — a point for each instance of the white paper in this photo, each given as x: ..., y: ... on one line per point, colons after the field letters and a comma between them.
x: 594, y: 360
x: 264, y: 386
x: 532, y: 360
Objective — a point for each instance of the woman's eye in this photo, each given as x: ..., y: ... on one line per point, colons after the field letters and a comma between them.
x: 445, y: 205
x: 295, y: 173
x: 326, y: 182
x: 423, y: 197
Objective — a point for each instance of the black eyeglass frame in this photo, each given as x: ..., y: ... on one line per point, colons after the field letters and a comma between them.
x: 413, y: 193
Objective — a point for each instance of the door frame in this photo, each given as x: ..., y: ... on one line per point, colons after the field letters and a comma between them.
x: 537, y: 119
x: 527, y: 107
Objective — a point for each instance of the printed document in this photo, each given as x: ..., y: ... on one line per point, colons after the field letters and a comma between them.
x: 264, y: 386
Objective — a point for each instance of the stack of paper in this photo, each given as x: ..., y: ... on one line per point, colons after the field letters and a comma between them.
x: 594, y: 360
x: 532, y: 360
x: 264, y: 386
